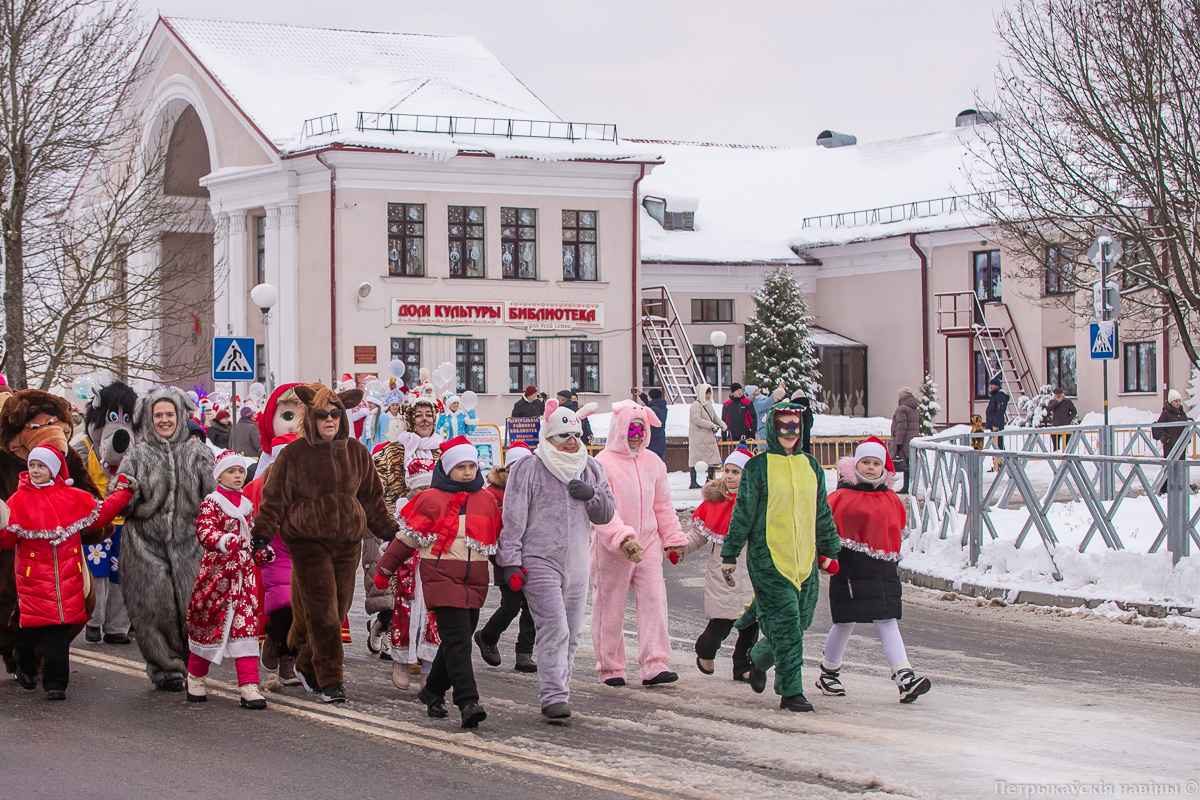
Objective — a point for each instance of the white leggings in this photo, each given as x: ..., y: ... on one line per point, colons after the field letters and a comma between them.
x: 889, y: 635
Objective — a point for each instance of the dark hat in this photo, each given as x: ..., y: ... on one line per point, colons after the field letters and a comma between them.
x: 530, y: 390
x: 734, y: 387
x: 246, y: 412
x: 195, y: 428
x: 994, y: 381
x: 565, y: 393
x: 655, y: 393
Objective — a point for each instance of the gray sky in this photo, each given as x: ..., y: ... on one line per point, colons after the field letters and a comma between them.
x: 757, y: 72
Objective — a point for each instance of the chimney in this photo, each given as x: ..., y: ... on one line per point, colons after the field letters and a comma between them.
x: 973, y: 117
x: 835, y: 139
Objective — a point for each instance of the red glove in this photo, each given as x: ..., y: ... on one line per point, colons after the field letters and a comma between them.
x: 382, y: 582
x: 516, y: 577
x: 828, y: 565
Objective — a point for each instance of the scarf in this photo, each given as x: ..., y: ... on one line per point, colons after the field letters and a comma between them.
x: 452, y: 521
x: 420, y: 457
x: 239, y: 509
x: 562, y: 465
x: 874, y: 483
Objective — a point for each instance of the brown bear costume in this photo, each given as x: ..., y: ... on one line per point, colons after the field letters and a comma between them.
x: 322, y: 496
x: 29, y: 418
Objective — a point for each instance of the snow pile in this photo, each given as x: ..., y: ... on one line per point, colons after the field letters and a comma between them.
x: 1120, y: 415
x: 823, y: 424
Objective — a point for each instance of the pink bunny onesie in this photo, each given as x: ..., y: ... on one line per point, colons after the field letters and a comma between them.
x: 644, y: 511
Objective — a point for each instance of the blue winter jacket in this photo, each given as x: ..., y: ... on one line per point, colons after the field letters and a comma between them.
x: 457, y: 423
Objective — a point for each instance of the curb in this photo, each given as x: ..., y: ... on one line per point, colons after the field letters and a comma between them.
x: 1020, y: 596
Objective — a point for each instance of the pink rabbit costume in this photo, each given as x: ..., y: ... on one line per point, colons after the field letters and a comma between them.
x: 645, y: 512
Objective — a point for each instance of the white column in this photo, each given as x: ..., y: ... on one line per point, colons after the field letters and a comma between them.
x: 236, y: 288
x: 285, y: 340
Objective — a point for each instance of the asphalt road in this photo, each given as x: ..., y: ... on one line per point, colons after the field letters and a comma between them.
x: 1018, y: 695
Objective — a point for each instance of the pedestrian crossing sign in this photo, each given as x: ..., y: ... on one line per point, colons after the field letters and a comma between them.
x: 233, y: 358
x: 1103, y: 340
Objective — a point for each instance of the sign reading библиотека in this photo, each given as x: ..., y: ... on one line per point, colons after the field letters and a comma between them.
x: 517, y: 313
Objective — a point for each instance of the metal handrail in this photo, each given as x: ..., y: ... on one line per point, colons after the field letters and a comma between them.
x: 320, y: 126
x: 392, y: 122
x: 883, y: 215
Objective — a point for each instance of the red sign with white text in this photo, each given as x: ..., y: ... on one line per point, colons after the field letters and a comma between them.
x: 517, y: 313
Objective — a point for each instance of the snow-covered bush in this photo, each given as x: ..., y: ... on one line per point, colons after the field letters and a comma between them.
x: 1032, y: 411
x: 928, y: 406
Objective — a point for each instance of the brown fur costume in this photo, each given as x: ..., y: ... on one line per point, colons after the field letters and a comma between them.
x: 322, y: 497
x: 29, y: 418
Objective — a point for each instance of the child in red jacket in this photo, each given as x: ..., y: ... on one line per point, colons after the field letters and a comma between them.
x: 866, y: 588
x: 47, y: 514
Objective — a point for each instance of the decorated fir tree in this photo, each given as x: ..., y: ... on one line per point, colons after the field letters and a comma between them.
x: 779, y: 343
x: 928, y: 406
x: 1193, y: 392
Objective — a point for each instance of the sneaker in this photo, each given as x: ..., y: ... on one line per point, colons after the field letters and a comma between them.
x: 758, y: 680
x: 400, y: 675
x: 56, y: 694
x: 706, y: 670
x: 911, y: 686
x: 91, y: 634
x: 252, y: 698
x: 375, y: 631
x: 287, y: 671
x: 830, y: 682
x: 614, y: 681
x: 489, y: 652
x: 333, y: 693
x: 197, y: 691
x: 435, y: 704
x: 525, y: 663
x: 472, y: 715
x: 557, y: 711
x: 268, y: 656
x: 385, y: 650
x: 117, y: 638
x: 26, y: 681
x: 307, y: 680
x: 666, y: 676
x: 795, y: 702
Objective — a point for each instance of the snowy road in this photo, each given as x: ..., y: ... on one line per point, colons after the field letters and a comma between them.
x: 1019, y: 697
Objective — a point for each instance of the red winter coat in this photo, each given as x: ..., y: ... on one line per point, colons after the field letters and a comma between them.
x: 44, y: 526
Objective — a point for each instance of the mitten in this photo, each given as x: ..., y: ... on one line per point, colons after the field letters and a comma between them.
x: 515, y: 577
x: 727, y: 573
x: 674, y: 553
x: 382, y: 582
x: 632, y: 550
x: 580, y: 490
x: 262, y: 552
x: 828, y: 565
x: 229, y: 543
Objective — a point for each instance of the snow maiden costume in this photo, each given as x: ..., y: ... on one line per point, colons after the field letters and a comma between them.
x: 550, y: 504
x: 869, y: 517
x: 644, y: 523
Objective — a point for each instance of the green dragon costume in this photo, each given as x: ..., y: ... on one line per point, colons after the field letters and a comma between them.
x: 783, y: 518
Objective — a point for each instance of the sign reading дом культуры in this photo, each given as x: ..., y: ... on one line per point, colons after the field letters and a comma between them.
x: 517, y: 313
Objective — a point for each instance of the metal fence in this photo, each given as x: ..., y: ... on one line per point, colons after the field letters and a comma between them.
x: 956, y: 486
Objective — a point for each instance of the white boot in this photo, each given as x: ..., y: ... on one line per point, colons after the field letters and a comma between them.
x: 251, y: 697
x: 400, y: 674
x: 196, y: 689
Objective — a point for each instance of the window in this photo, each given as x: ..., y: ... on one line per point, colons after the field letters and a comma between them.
x: 679, y: 221
x: 987, y: 276
x: 465, y: 241
x: 260, y: 250
x: 260, y: 363
x: 844, y: 380
x: 408, y: 351
x: 585, y: 366
x: 654, y: 307
x: 1060, y: 369
x: 522, y: 364
x: 1059, y: 270
x: 712, y: 310
x: 406, y: 239
x: 518, y: 242
x: 983, y: 373
x: 470, y: 358
x: 649, y: 373
x: 1141, y: 367
x: 706, y: 360
x: 579, y: 245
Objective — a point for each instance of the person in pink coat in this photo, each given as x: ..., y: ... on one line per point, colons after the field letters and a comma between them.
x: 628, y: 551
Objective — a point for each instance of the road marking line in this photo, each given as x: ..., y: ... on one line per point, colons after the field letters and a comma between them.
x: 432, y: 739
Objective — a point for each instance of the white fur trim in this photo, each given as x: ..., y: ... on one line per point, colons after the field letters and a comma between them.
x: 44, y: 455
x: 859, y: 547
x: 515, y: 454
x: 226, y: 460
x: 738, y: 459
x: 225, y: 540
x: 699, y: 527
x: 459, y: 454
x: 870, y: 450
x: 241, y: 513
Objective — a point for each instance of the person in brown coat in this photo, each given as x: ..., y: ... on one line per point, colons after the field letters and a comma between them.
x: 906, y: 425
x: 322, y: 495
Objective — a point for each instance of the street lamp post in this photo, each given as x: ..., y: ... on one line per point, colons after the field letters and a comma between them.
x: 265, y: 296
x: 717, y: 339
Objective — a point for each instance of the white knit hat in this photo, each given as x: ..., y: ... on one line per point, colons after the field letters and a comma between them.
x: 871, y: 448
x: 738, y: 458
x: 457, y: 451
x: 1174, y: 395
x: 515, y: 452
x: 226, y: 460
x: 51, y: 458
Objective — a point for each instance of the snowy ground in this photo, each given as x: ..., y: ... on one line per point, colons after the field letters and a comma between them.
x: 823, y: 424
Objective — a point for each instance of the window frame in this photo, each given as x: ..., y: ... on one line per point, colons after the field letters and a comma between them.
x: 260, y: 249
x: 706, y: 362
x: 1058, y: 272
x: 473, y: 354
x: 1055, y: 354
x: 699, y: 303
x: 585, y: 353
x: 995, y: 285
x: 526, y: 359
x: 398, y: 348
x: 464, y: 239
x: 402, y: 241
x: 575, y: 245
x: 1139, y: 348
x: 512, y: 235
x: 649, y: 371
x: 980, y: 377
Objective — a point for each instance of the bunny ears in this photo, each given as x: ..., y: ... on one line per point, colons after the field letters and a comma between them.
x: 553, y: 405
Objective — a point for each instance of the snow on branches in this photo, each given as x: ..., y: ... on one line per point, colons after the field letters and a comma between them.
x: 928, y: 406
x: 779, y: 344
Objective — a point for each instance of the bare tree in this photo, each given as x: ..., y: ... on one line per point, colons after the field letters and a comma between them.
x: 1097, y: 123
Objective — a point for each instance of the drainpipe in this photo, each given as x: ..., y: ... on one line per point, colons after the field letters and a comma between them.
x: 332, y: 271
x: 912, y: 242
x: 637, y: 293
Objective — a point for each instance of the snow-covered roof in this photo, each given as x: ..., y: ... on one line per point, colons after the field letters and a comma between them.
x: 282, y: 75
x: 823, y: 338
x: 753, y: 201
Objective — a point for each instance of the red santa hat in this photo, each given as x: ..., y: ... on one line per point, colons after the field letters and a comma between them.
x: 738, y: 458
x: 457, y: 451
x: 515, y: 452
x: 227, y: 460
x: 54, y: 460
x: 874, y: 448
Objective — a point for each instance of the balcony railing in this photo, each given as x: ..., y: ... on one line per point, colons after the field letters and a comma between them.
x: 900, y: 212
x: 486, y: 126
x: 321, y: 126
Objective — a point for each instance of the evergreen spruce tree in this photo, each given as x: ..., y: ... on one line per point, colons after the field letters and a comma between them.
x: 1193, y: 399
x: 779, y: 342
x: 928, y: 406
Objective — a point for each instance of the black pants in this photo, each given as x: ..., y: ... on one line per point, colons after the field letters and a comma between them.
x: 56, y: 654
x: 279, y: 622
x: 717, y: 630
x: 511, y: 604
x: 1059, y: 439
x: 452, y: 666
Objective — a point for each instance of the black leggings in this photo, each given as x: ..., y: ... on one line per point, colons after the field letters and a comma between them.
x: 512, y: 603
x: 452, y: 666
x: 279, y: 622
x: 56, y: 654
x: 717, y: 630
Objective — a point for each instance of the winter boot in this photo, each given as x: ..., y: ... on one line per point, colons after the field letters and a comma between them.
x: 287, y: 671
x: 911, y: 686
x: 92, y: 634
x: 830, y: 682
x: 525, y: 663
x: 795, y: 702
x: 472, y: 715
x: 693, y: 484
x: 269, y: 659
x: 251, y: 697
x: 400, y: 675
x: 196, y: 689
x: 557, y: 711
x: 489, y: 652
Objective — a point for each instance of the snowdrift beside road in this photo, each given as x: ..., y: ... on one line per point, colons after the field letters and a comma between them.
x: 823, y: 424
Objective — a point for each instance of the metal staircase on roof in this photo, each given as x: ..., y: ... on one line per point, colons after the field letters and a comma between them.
x: 669, y: 347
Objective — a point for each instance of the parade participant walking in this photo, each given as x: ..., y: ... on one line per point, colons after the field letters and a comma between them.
x: 658, y: 433
x: 323, y: 494
x: 223, y: 611
x: 783, y: 520
x: 866, y: 588
x: 454, y: 421
x: 550, y: 505
x: 159, y: 549
x: 46, y: 515
x: 454, y: 525
x: 723, y: 603
x: 375, y: 423
x: 703, y: 429
x: 627, y: 552
x: 395, y: 413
